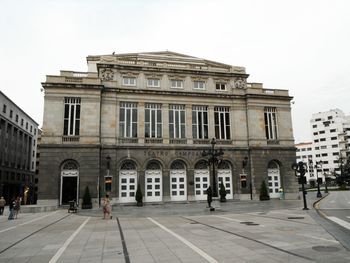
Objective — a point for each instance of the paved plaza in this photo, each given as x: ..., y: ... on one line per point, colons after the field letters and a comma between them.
x: 240, y: 231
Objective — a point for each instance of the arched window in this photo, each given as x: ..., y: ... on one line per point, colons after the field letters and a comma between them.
x: 70, y: 165
x: 128, y: 165
x: 273, y: 165
x: 178, y: 165
x: 224, y: 165
x: 153, y: 165
x: 202, y: 164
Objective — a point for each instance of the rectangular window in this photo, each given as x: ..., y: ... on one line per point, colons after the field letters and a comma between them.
x: 22, y: 121
x: 16, y: 117
x: 4, y: 108
x: 26, y: 125
x: 200, y: 122
x: 175, y: 83
x: 315, y: 133
x: 324, y: 147
x: 322, y: 132
x: 333, y: 138
x: 336, y: 153
x: 199, y: 85
x: 153, y: 120
x: 335, y: 146
x: 128, y: 120
x: 324, y: 154
x: 222, y: 123
x: 220, y: 86
x: 71, y: 125
x: 314, y: 126
x: 322, y: 139
x: 129, y: 81
x: 11, y: 114
x: 177, y: 121
x: 316, y: 140
x: 270, y: 123
x: 153, y: 83
x: 332, y: 130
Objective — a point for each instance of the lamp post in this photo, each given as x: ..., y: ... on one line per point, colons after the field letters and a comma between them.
x: 300, y: 168
x: 317, y: 165
x: 213, y: 159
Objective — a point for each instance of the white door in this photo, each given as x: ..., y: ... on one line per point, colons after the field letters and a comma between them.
x: 154, y: 191
x: 201, y: 183
x: 178, y: 189
x: 127, y: 186
x: 274, y: 182
x: 225, y: 176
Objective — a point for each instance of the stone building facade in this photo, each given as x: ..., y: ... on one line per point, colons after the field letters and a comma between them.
x: 18, y: 146
x: 147, y: 118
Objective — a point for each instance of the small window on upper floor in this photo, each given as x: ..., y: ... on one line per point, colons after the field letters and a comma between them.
x: 332, y: 130
x: 22, y: 122
x: 4, y: 108
x: 31, y: 128
x: 16, y: 117
x: 11, y: 114
x: 330, y: 117
x: 153, y: 83
x: 322, y: 132
x: 199, y: 85
x: 220, y: 86
x: 314, y: 126
x: 34, y: 131
x: 176, y: 83
x: 129, y: 81
x: 26, y: 125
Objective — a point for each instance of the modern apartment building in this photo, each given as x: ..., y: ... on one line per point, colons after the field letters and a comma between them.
x: 147, y: 118
x: 18, y: 144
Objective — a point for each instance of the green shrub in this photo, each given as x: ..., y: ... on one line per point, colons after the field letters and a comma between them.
x: 139, y: 196
x: 264, y: 194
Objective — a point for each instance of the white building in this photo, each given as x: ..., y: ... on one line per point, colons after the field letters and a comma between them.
x: 305, y: 153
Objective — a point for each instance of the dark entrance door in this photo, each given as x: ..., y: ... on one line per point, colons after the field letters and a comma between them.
x: 69, y: 189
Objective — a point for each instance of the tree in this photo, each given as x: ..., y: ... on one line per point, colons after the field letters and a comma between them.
x: 87, y: 204
x: 264, y: 194
x: 139, y: 196
x: 222, y: 192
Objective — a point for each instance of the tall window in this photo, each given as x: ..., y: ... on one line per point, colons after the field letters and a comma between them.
x: 177, y: 121
x: 71, y: 116
x: 220, y: 86
x: 128, y: 120
x: 270, y: 123
x: 200, y: 122
x: 153, y: 121
x: 222, y: 123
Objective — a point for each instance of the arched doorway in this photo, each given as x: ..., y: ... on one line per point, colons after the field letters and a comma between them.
x: 201, y: 180
x: 274, y: 179
x: 153, y: 182
x: 178, y: 182
x: 225, y: 177
x: 127, y: 182
x: 69, y: 182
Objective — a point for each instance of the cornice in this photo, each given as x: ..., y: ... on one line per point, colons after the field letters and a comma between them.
x: 47, y: 85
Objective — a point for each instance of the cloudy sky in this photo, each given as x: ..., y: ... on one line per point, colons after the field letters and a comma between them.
x: 299, y: 45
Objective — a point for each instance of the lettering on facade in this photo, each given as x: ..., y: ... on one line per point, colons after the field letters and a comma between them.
x: 180, y: 153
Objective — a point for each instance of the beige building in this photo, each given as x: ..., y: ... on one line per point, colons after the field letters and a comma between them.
x: 147, y: 118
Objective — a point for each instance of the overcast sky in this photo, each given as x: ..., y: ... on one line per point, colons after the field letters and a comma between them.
x: 299, y: 45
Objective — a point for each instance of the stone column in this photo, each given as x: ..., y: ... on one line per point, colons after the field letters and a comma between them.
x: 189, y: 124
x: 141, y: 122
x: 165, y: 111
x: 211, y: 126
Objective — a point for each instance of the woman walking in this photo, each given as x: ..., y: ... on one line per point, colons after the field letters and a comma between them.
x: 106, y: 208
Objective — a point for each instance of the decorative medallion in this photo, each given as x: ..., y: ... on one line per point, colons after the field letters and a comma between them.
x: 240, y: 83
x: 107, y: 74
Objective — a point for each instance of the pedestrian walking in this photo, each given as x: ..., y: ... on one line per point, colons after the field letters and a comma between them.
x: 2, y: 205
x: 209, y: 196
x: 106, y: 208
x: 17, y: 207
x: 11, y: 206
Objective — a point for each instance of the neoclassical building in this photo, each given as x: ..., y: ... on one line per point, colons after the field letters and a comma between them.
x: 147, y: 118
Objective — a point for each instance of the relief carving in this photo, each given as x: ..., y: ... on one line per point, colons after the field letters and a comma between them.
x: 107, y: 74
x: 240, y: 83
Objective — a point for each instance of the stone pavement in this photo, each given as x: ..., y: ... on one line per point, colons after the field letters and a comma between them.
x: 240, y: 231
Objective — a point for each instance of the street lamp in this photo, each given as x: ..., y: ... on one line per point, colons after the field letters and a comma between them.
x: 300, y: 168
x: 213, y: 159
x: 317, y: 165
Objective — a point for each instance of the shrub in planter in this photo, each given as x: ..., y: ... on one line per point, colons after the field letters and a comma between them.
x: 222, y: 192
x: 264, y: 194
x: 138, y: 196
x: 87, y: 204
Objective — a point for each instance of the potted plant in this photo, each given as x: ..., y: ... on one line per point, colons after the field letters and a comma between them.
x: 264, y: 195
x: 87, y: 204
x: 138, y: 196
x: 222, y: 192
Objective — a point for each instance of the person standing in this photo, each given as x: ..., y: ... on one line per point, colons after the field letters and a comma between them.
x: 11, y: 206
x: 17, y: 207
x: 2, y: 205
x: 106, y: 208
x: 209, y: 196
